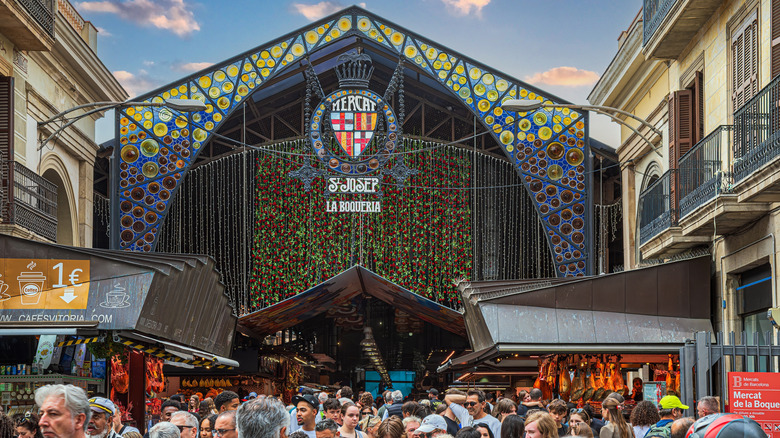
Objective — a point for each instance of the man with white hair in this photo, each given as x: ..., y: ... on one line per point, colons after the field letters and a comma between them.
x: 396, y: 407
x: 164, y: 429
x: 64, y: 411
x: 187, y: 424
x: 262, y: 418
x: 99, y: 425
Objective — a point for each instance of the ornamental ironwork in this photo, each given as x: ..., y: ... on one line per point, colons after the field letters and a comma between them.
x: 548, y: 147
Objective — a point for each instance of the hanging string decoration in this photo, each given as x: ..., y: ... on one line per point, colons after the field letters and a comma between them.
x: 462, y: 216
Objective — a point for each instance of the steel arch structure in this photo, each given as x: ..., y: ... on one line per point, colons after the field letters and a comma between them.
x: 549, y: 147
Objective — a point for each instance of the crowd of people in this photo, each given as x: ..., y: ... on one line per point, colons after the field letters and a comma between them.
x: 64, y: 411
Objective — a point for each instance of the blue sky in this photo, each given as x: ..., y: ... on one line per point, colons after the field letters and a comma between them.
x: 561, y: 46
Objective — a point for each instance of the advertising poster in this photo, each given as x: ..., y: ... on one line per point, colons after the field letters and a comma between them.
x: 757, y: 396
x: 653, y: 391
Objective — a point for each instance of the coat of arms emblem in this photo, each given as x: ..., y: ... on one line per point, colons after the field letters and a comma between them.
x: 353, y: 130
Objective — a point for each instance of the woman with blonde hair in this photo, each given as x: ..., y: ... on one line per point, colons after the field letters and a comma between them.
x: 617, y: 426
x: 504, y: 407
x: 369, y: 425
x: 540, y: 424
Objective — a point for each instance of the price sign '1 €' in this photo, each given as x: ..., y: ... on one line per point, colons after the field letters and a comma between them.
x: 35, y: 284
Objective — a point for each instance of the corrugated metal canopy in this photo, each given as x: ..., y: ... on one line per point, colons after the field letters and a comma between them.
x: 175, y: 297
x: 341, y: 288
x: 653, y: 309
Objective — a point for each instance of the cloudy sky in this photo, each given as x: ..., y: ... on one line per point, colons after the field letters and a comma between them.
x: 562, y: 46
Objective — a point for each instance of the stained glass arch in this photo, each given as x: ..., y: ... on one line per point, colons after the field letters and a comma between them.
x: 549, y: 148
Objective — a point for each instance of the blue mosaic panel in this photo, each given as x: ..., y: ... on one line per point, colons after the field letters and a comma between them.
x: 548, y: 146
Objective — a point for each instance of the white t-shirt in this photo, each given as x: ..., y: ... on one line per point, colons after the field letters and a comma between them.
x: 310, y: 433
x: 467, y: 420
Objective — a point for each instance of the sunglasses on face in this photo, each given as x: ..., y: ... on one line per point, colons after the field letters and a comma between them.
x: 470, y: 404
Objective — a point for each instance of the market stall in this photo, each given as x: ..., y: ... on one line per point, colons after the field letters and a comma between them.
x: 108, y: 320
x: 581, y: 340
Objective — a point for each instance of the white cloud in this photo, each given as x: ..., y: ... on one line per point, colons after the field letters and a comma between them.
x: 148, y: 62
x: 464, y: 7
x: 564, y: 76
x: 173, y: 15
x: 318, y: 10
x: 192, y: 66
x: 103, y: 32
x: 136, y: 84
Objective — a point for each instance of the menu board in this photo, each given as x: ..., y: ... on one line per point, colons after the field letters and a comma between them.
x: 653, y: 391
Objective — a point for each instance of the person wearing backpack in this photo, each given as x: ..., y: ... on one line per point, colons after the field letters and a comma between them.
x: 670, y: 409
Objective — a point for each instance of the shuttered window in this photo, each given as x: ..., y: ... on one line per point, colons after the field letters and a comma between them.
x: 681, y: 130
x: 775, y: 38
x: 681, y: 125
x: 744, y: 61
x: 697, y: 124
x: 6, y: 146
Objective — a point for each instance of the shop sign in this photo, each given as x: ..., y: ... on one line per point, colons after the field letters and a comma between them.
x: 756, y: 396
x: 354, y: 134
x: 63, y: 290
x: 653, y: 391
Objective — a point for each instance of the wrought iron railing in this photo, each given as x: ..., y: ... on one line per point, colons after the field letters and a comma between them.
x: 701, y: 172
x: 757, y: 131
x: 653, y: 14
x: 32, y: 203
x: 43, y: 12
x: 657, y: 211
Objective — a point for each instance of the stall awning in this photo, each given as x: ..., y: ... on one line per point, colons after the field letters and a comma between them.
x: 341, y: 288
x: 654, y: 309
x: 175, y: 298
x: 174, y: 352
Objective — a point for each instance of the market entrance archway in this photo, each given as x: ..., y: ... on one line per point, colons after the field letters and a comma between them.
x: 548, y: 148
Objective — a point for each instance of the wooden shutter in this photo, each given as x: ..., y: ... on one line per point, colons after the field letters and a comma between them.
x: 6, y: 147
x: 680, y: 138
x: 698, y: 108
x: 681, y: 125
x: 744, y: 58
x: 775, y: 38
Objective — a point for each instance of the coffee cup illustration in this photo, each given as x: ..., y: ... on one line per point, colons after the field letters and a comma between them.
x: 31, y: 285
x: 3, y: 291
x: 116, y: 299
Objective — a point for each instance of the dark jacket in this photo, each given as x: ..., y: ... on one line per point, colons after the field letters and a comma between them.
x: 395, y: 409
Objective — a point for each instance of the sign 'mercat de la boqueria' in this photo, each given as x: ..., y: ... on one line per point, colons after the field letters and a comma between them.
x: 353, y: 132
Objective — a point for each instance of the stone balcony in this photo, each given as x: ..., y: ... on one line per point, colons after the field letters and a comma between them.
x: 669, y: 25
x: 29, y: 24
x: 725, y: 182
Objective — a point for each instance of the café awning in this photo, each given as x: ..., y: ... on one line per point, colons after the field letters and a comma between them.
x: 647, y: 310
x: 343, y: 287
x: 173, y: 298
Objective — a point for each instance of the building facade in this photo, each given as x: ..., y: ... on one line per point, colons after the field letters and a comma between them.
x: 704, y: 74
x: 48, y: 64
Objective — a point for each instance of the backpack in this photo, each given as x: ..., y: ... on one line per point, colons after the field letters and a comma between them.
x: 659, y: 431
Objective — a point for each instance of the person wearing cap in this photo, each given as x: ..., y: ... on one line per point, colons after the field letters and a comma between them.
x: 432, y: 426
x: 250, y: 396
x: 670, y: 409
x: 306, y: 407
x: 100, y: 423
x: 433, y: 394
